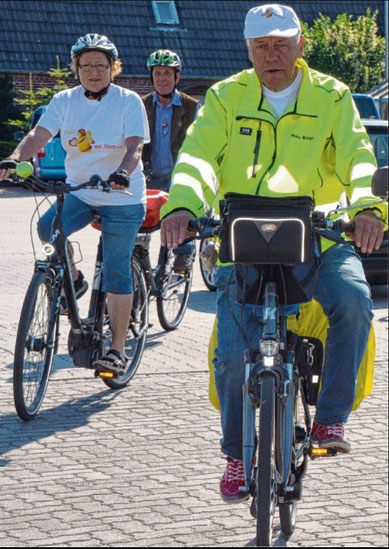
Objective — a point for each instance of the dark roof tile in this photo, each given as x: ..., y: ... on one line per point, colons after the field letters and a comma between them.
x: 209, y: 38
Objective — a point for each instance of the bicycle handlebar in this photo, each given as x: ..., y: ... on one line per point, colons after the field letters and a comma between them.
x: 205, y: 224
x: 60, y: 187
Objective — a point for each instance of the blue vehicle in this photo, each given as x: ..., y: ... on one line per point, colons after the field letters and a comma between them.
x: 366, y: 105
x: 49, y: 162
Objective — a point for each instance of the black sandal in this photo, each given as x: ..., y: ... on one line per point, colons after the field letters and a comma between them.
x: 113, y: 362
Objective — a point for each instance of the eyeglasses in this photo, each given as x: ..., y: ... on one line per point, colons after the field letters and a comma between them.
x: 100, y: 67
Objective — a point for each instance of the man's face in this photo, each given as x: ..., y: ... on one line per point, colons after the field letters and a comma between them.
x: 274, y: 60
x: 90, y: 77
x: 165, y: 79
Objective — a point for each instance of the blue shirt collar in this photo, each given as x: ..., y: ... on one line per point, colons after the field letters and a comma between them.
x: 174, y: 101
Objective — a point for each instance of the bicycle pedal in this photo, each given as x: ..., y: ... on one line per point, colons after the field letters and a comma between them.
x: 318, y: 452
x: 105, y: 374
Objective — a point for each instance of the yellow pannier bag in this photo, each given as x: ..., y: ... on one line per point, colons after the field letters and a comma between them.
x: 311, y: 322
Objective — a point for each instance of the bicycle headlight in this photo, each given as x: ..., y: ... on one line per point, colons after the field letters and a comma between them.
x: 269, y: 347
x: 48, y: 249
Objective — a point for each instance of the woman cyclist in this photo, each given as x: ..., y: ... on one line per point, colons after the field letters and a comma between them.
x: 103, y: 128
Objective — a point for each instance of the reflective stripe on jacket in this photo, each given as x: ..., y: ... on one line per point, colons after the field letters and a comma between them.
x: 318, y: 147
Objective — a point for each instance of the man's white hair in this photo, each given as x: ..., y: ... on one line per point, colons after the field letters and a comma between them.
x: 297, y: 37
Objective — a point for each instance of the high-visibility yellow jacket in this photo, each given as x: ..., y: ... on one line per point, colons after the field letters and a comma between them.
x: 319, y: 147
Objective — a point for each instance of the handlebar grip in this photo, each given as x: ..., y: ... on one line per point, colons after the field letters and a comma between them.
x: 201, y: 223
x: 344, y: 226
x: 194, y: 225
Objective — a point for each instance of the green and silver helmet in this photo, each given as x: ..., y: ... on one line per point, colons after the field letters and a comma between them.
x: 164, y: 58
x: 94, y: 42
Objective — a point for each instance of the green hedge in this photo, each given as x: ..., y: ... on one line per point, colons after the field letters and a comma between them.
x: 6, y: 148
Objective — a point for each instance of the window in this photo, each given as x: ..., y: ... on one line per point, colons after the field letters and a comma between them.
x: 165, y: 12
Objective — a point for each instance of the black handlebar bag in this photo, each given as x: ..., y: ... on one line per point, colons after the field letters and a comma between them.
x: 268, y: 237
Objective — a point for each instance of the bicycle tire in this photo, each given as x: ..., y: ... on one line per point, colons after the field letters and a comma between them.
x: 207, y: 275
x: 137, y: 329
x: 35, y: 345
x: 174, y: 294
x: 266, y: 472
x: 288, y: 511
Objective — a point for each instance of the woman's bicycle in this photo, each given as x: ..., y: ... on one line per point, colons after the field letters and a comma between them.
x: 89, y: 338
x: 282, y: 375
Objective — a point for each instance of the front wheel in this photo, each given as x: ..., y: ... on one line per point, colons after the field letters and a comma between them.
x: 266, y: 489
x: 137, y: 328
x: 207, y: 261
x: 35, y: 345
x: 174, y: 289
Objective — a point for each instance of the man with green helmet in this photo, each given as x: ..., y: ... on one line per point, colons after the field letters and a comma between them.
x: 170, y: 113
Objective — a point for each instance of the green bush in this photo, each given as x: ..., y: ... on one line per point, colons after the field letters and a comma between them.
x: 348, y: 49
x: 9, y: 109
x: 6, y: 148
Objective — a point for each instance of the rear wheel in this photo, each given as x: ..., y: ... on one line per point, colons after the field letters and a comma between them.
x: 288, y: 511
x: 137, y: 329
x: 174, y: 292
x: 266, y: 493
x: 35, y: 345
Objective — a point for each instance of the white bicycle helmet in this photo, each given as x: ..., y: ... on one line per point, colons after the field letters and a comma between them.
x: 94, y: 42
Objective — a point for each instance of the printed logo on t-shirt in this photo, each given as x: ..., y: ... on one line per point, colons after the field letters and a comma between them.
x: 83, y: 141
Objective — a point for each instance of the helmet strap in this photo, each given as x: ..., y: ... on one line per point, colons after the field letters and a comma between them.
x: 167, y: 95
x: 96, y: 95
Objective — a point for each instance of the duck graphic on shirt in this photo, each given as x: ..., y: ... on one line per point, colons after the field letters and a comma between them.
x: 83, y: 141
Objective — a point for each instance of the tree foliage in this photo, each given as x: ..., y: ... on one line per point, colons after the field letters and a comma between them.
x: 30, y: 99
x: 348, y: 49
x: 9, y: 109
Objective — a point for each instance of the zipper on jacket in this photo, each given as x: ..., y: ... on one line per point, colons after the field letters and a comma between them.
x: 256, y: 152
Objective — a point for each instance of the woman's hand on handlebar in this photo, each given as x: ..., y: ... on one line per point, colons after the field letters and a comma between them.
x: 119, y: 180
x: 6, y: 167
x: 174, y: 228
x: 368, y: 233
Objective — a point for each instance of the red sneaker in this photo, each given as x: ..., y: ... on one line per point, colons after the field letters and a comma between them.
x: 330, y: 436
x: 232, y: 480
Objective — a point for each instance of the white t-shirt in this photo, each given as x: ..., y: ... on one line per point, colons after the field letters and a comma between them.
x: 279, y: 101
x: 93, y: 135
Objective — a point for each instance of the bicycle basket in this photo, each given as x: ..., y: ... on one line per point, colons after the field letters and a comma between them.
x: 261, y: 230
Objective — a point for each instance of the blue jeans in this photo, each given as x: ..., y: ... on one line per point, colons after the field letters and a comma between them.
x: 344, y: 295
x: 119, y: 226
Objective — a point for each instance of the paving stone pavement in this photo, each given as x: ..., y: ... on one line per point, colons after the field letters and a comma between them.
x: 140, y: 467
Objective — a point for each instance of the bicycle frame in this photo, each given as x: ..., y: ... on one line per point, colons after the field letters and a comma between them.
x: 61, y: 264
x: 152, y: 276
x: 82, y: 330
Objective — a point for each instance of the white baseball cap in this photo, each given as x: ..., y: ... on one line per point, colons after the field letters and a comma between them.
x: 271, y: 20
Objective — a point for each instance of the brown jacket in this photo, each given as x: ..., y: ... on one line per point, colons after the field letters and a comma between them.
x: 182, y: 118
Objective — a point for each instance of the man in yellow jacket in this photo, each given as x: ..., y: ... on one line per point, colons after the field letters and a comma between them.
x: 282, y: 129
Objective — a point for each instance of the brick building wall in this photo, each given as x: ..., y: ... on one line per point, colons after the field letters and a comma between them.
x: 141, y: 85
